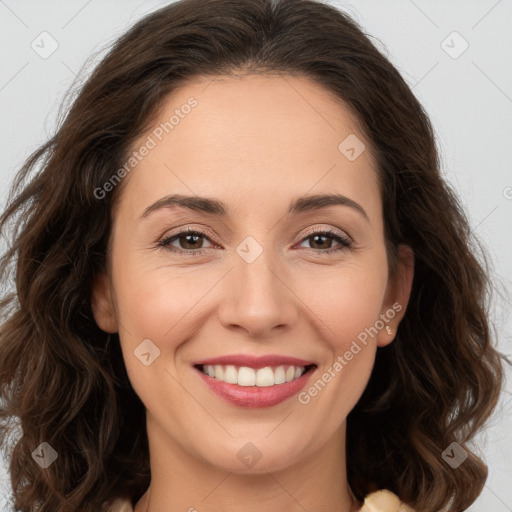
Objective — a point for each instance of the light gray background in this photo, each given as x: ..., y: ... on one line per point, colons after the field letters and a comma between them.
x: 469, y: 99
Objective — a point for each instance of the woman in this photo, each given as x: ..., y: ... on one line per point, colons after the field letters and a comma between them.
x: 173, y: 344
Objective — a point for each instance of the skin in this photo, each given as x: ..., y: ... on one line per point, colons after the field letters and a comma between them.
x: 255, y: 143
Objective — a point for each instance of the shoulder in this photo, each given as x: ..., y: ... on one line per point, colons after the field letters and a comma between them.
x: 384, y: 501
x: 378, y: 501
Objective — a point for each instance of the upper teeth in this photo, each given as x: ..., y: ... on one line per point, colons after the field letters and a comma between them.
x: 245, y: 376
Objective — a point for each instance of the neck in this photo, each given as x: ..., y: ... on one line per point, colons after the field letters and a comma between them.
x: 184, y: 482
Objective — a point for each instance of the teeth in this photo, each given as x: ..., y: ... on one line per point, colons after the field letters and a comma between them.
x: 245, y: 376
x: 231, y: 375
x: 265, y: 377
x: 279, y: 375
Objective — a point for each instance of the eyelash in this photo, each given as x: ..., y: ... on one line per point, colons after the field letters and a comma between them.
x: 345, y: 242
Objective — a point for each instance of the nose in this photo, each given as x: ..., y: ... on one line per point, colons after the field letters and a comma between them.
x: 256, y: 298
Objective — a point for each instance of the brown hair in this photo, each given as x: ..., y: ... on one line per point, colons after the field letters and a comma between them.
x: 62, y: 379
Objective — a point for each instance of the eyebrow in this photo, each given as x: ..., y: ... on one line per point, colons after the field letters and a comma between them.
x: 217, y: 207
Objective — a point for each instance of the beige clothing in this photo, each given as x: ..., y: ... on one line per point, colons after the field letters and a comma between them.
x: 379, y: 501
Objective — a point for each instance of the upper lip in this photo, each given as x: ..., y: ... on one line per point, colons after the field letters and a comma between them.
x: 255, y: 361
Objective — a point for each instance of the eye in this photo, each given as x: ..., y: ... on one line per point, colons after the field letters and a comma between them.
x: 322, y: 236
x: 189, y: 241
x: 188, y: 246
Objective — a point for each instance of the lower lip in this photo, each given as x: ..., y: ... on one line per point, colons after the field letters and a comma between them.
x: 255, y: 396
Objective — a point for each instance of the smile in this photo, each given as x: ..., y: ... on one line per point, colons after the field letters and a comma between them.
x: 261, y: 377
x: 248, y: 387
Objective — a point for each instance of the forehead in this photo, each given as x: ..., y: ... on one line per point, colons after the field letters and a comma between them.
x: 253, y: 140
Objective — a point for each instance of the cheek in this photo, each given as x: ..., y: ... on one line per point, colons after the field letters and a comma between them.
x: 165, y: 305
x: 161, y: 306
x: 347, y: 299
x: 348, y: 305
x: 350, y: 349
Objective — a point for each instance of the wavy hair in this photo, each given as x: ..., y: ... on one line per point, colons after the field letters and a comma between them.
x: 62, y: 379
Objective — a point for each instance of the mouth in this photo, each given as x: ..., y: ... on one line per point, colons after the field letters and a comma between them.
x: 247, y: 387
x: 246, y: 376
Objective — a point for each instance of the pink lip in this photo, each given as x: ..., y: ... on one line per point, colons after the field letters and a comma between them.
x: 255, y: 362
x: 254, y: 396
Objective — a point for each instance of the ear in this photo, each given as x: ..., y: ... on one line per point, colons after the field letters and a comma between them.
x: 397, y: 296
x: 102, y: 304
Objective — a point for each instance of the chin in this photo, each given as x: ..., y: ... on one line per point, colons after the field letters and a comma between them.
x: 257, y: 456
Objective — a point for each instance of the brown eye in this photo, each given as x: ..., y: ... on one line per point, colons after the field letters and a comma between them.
x: 321, y: 241
x: 190, y: 242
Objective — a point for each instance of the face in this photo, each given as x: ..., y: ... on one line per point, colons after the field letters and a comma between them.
x: 256, y: 276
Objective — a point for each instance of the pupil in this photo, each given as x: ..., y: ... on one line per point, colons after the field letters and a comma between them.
x: 191, y: 236
x: 315, y: 237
